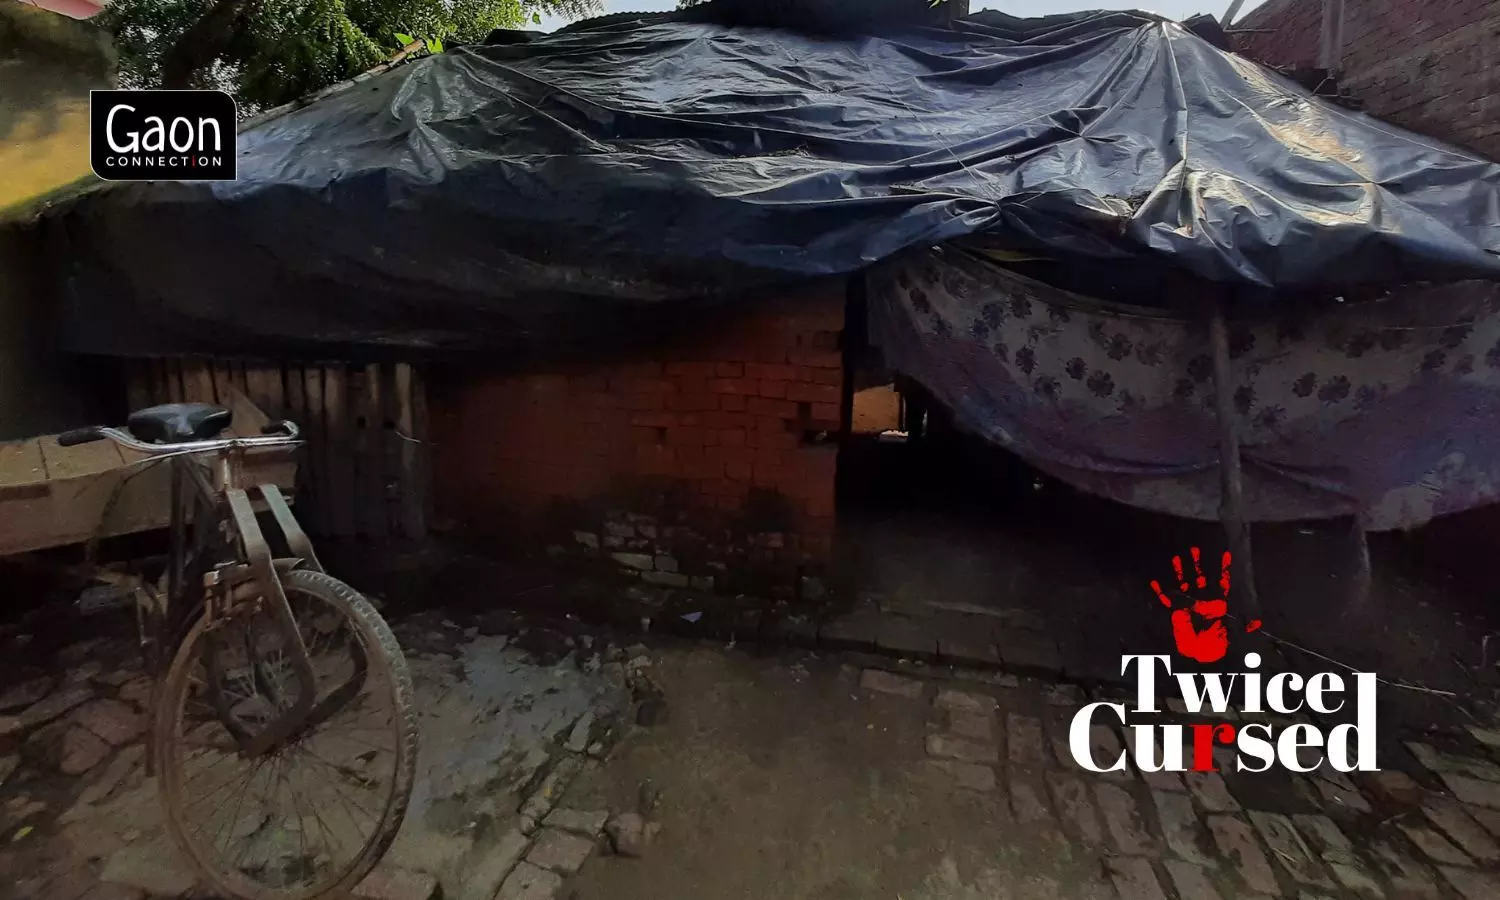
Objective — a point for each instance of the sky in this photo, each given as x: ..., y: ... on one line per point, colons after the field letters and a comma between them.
x: 1175, y: 9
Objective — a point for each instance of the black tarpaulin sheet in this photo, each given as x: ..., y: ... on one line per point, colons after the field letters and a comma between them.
x: 567, y: 189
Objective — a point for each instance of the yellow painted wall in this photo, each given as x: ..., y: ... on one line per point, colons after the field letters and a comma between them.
x: 48, y: 64
x: 45, y: 144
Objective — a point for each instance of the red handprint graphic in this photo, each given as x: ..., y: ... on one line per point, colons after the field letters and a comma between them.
x: 1209, y: 643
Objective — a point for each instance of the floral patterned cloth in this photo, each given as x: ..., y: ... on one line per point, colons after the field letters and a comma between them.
x: 1389, y: 410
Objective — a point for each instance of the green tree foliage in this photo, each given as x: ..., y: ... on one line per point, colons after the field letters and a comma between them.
x: 268, y: 52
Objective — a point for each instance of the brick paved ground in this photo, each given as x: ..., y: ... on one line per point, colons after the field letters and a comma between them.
x: 1429, y: 832
x: 896, y: 775
x: 503, y: 733
x: 917, y: 781
x: 933, y: 746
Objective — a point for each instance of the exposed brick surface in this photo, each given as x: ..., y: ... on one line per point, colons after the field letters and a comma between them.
x: 560, y: 851
x: 1024, y: 739
x: 1289, y: 849
x: 1134, y: 878
x: 1431, y: 66
x: 1236, y: 841
x: 1191, y: 881
x: 888, y: 683
x: 965, y: 775
x: 701, y: 449
x: 1211, y: 791
x: 1076, y: 809
x: 1028, y: 791
x: 1462, y: 830
x: 1123, y: 821
x: 1180, y: 826
x: 961, y: 749
x: 390, y: 883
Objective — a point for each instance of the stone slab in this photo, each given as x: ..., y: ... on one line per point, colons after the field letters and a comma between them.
x: 529, y: 882
x: 560, y: 851
x: 1236, y: 841
x: 883, y: 682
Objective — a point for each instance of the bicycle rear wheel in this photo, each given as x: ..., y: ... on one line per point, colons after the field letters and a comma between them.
x: 315, y: 814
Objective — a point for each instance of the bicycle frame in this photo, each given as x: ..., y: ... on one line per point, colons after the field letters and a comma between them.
x: 206, y: 571
x: 223, y: 634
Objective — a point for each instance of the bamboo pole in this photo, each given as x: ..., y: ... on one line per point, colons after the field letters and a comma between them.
x: 1231, y: 474
x: 1363, y: 578
x: 413, y: 495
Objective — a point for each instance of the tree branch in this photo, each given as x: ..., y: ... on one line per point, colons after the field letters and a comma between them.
x: 203, y: 42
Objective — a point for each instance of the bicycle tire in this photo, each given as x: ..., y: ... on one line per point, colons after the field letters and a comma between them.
x: 383, y: 651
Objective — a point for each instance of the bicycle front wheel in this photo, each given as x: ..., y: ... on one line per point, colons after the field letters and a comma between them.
x: 313, y: 815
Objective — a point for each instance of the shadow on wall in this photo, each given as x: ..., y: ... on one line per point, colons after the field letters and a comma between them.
x: 44, y: 390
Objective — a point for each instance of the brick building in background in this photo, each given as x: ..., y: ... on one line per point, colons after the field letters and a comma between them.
x: 707, y: 462
x: 710, y: 463
x: 1432, y: 66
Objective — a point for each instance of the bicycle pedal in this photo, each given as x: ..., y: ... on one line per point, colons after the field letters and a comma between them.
x: 100, y: 598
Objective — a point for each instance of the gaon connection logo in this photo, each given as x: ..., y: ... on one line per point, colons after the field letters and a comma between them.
x: 162, y: 135
x: 1200, y: 634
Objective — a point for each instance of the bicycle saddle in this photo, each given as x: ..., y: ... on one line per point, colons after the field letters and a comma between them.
x: 179, y: 423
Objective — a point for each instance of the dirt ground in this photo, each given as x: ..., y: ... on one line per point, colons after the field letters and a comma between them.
x: 785, y: 779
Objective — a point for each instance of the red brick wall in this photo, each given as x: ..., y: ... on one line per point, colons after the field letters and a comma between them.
x: 1430, y: 65
x: 1291, y: 32
x: 696, y: 464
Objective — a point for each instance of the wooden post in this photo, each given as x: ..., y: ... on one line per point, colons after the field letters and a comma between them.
x: 338, y: 457
x: 1362, y: 578
x: 413, y: 490
x: 313, y: 429
x: 138, y: 393
x: 197, y: 381
x: 1230, y: 13
x: 172, y: 371
x: 371, y: 455
x: 223, y: 380
x: 156, y: 371
x: 258, y: 385
x: 1231, y: 475
x: 295, y: 409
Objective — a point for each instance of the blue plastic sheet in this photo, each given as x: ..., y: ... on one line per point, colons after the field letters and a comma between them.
x: 597, y: 183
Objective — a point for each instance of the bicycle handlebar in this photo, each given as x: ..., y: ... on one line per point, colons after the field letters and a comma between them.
x: 287, y: 436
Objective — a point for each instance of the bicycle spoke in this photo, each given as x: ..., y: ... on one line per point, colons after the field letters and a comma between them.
x: 327, y: 839
x: 244, y: 783
x: 225, y: 689
x: 209, y: 795
x: 348, y: 812
x: 207, y: 768
x: 333, y: 784
x: 301, y: 823
x: 299, y: 820
x: 246, y: 844
x: 327, y: 832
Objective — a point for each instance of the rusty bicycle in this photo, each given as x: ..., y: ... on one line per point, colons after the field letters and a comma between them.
x: 283, y: 731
